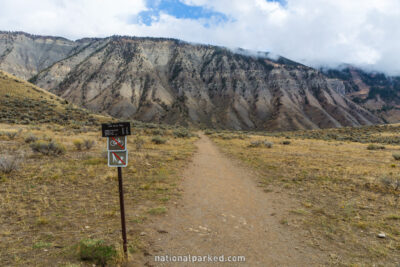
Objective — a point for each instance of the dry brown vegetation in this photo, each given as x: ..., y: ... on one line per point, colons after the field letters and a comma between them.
x: 24, y: 103
x: 50, y: 203
x: 347, y: 195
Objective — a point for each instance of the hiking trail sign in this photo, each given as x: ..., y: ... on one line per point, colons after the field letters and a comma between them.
x: 116, y: 129
x: 118, y: 157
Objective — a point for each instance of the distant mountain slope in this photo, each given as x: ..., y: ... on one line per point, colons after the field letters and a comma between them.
x: 377, y: 92
x: 24, y: 54
x: 169, y: 81
x: 25, y: 103
x: 166, y: 80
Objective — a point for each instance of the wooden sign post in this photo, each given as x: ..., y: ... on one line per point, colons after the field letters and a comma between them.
x: 118, y: 157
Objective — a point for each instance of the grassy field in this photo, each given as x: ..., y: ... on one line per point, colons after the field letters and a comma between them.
x: 59, y: 201
x: 51, y: 202
x: 347, y: 192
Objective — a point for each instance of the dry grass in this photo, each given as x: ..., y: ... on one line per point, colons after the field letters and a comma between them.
x: 343, y: 201
x: 24, y: 103
x: 50, y: 204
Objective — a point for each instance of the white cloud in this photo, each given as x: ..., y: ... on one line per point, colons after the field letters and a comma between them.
x: 69, y: 18
x: 315, y: 32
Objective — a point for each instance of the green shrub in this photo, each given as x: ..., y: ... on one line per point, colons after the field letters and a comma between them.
x: 158, y: 140
x: 227, y: 136
x: 157, y: 132
x: 375, y: 147
x: 242, y: 136
x: 181, y: 133
x: 208, y: 132
x: 390, y: 182
x: 88, y: 143
x: 78, y: 144
x: 9, y: 163
x: 48, y: 148
x: 31, y: 138
x: 139, y: 142
x: 396, y: 156
x: 268, y: 144
x: 42, y: 244
x: 11, y: 135
x: 96, y: 251
x: 260, y: 143
x: 286, y: 142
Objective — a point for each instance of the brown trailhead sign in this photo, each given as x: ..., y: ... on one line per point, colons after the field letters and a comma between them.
x: 116, y: 129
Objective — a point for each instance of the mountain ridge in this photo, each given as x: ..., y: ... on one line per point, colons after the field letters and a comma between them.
x: 166, y: 80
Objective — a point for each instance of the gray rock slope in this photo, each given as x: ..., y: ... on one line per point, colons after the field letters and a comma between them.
x: 165, y: 80
x: 24, y: 55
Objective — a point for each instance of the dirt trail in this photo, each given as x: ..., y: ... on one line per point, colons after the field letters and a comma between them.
x: 223, y: 212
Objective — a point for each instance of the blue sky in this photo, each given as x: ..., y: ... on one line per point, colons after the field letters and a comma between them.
x: 179, y: 10
x: 317, y: 33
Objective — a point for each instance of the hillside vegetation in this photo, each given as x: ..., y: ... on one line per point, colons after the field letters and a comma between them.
x: 24, y: 103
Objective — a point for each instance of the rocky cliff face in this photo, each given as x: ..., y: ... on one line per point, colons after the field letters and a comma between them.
x: 24, y: 55
x: 376, y: 92
x: 164, y: 80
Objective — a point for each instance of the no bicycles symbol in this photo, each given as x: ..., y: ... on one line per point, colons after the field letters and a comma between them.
x: 117, y: 143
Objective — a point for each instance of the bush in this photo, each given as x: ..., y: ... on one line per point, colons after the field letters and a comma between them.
x: 226, y: 136
x: 88, y: 143
x: 31, y: 138
x: 11, y: 135
x: 396, y: 156
x: 96, y: 251
x: 391, y: 183
x: 286, y: 142
x: 375, y: 147
x: 157, y: 132
x: 139, y: 142
x: 259, y: 143
x: 78, y: 144
x: 48, y: 148
x: 182, y: 133
x: 9, y: 163
x: 268, y: 144
x: 158, y: 140
x: 208, y: 132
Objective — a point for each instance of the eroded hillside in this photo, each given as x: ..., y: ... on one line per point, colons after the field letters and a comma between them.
x: 164, y: 80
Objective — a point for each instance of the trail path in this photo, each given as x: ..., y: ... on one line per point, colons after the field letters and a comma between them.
x: 223, y: 212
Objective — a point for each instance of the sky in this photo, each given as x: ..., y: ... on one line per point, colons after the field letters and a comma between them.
x: 318, y: 33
